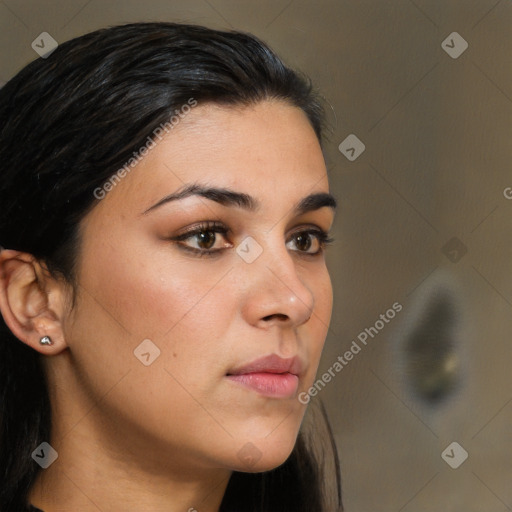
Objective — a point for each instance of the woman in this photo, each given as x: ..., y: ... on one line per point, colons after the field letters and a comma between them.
x: 163, y: 288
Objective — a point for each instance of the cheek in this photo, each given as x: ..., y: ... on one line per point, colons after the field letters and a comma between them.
x: 324, y: 297
x: 318, y: 281
x: 185, y: 314
x: 128, y: 294
x: 149, y: 293
x: 319, y: 322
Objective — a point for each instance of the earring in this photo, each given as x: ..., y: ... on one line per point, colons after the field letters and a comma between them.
x: 45, y: 340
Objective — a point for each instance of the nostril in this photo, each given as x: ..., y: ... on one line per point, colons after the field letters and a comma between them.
x: 278, y: 316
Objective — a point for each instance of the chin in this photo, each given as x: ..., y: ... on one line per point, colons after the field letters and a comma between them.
x: 264, y: 454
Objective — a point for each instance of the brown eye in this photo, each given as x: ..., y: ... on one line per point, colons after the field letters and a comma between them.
x: 303, y: 242
x: 206, y: 239
x: 309, y: 242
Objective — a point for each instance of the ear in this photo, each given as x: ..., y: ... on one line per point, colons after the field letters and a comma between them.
x: 32, y: 302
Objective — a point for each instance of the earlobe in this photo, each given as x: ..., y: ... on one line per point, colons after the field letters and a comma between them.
x: 31, y: 302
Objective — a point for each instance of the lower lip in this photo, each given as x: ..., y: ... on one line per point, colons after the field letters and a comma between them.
x: 275, y: 385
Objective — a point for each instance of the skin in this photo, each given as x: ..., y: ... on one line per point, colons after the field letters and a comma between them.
x: 166, y: 437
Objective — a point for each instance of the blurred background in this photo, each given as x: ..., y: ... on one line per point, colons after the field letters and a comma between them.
x: 419, y: 102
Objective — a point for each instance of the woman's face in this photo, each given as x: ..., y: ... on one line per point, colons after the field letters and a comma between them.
x: 162, y: 330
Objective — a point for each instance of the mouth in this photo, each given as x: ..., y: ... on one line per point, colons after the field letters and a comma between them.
x: 270, y: 376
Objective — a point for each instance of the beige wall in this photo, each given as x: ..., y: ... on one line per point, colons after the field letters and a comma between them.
x: 438, y: 156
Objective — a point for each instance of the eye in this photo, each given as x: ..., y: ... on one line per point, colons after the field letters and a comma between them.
x: 203, y: 239
x: 310, y: 241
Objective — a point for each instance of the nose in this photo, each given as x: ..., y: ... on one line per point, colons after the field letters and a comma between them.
x: 275, y: 293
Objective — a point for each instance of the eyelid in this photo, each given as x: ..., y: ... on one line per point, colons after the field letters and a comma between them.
x: 323, y: 237
x: 195, y: 229
x: 218, y: 227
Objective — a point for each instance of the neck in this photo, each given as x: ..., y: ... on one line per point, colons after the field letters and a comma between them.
x: 91, y: 480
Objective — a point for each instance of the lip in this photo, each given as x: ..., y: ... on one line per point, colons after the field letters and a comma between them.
x: 271, y: 376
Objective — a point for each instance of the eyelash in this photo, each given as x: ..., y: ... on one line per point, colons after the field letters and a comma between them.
x: 215, y: 227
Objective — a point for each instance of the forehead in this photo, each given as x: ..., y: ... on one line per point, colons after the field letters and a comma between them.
x: 264, y: 149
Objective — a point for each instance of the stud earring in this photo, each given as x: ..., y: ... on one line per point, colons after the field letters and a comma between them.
x: 45, y: 340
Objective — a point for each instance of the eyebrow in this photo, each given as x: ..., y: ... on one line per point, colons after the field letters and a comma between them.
x: 231, y: 198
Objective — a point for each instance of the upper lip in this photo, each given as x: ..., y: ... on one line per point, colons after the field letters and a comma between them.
x: 270, y: 364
